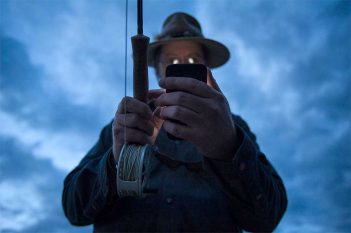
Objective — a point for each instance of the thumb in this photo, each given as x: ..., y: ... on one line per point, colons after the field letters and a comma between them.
x: 211, y: 81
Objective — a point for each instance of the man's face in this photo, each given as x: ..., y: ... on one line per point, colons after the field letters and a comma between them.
x: 179, y: 52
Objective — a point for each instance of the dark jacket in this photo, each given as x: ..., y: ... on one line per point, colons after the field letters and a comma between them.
x: 245, y: 193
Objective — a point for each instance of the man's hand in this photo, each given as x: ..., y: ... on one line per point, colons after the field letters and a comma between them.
x: 204, y: 113
x: 134, y: 123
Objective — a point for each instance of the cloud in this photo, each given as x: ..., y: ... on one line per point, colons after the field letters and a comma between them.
x: 19, y: 80
x: 62, y: 76
x: 23, y: 91
x: 52, y: 126
x: 41, y: 121
x: 290, y: 79
x: 78, y: 49
x: 21, y: 204
x: 64, y: 149
x: 30, y: 197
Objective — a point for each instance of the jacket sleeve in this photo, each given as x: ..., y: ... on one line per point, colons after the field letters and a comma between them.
x: 90, y: 188
x: 251, y: 183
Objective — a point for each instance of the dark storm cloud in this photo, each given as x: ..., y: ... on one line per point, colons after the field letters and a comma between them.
x: 20, y: 167
x: 309, y: 137
x: 11, y: 156
x: 23, y: 93
x: 49, y: 115
x: 289, y: 77
x: 20, y: 81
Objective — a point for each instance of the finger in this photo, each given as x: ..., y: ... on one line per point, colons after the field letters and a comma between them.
x: 189, y: 85
x: 132, y: 120
x: 156, y: 118
x: 157, y: 112
x: 180, y: 114
x: 178, y: 130
x: 134, y: 136
x: 155, y: 93
x: 132, y: 105
x: 184, y: 99
x: 211, y: 81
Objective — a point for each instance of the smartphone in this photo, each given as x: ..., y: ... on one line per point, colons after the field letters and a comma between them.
x: 196, y: 71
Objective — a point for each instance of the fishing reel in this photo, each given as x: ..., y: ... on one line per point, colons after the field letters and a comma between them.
x: 132, y: 170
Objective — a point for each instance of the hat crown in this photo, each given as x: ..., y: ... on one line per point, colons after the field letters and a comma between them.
x: 184, y: 27
x: 180, y: 25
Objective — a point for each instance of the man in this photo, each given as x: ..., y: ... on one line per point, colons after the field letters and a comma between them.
x: 217, y: 180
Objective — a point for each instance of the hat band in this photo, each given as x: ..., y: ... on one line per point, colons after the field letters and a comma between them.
x: 179, y: 34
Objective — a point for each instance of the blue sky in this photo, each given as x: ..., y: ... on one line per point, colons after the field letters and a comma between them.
x: 62, y: 76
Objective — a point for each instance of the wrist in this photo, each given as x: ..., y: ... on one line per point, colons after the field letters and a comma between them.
x: 229, y: 146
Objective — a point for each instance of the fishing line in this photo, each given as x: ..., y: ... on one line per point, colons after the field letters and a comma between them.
x: 131, y: 159
x: 125, y: 68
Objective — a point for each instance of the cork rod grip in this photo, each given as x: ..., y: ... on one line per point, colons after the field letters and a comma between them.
x: 140, y: 71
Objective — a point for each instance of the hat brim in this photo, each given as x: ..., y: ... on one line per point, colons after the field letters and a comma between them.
x: 216, y: 53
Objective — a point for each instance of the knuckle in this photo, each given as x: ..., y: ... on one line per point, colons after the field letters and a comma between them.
x: 145, y: 107
x: 127, y: 100
x: 122, y: 104
x: 175, y: 131
x: 181, y: 98
x: 212, y: 109
x: 119, y: 108
x: 146, y: 111
x: 122, y: 120
x: 220, y: 97
x: 123, y: 101
x: 160, y: 99
x: 133, y: 118
x: 177, y: 112
x: 117, y: 130
x: 194, y: 84
x: 115, y: 124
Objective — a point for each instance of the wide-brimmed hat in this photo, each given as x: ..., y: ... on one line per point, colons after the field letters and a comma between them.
x: 183, y: 27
